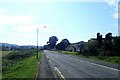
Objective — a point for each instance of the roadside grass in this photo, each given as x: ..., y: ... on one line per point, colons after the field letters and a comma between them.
x: 25, y: 68
x: 111, y: 59
x: 68, y: 52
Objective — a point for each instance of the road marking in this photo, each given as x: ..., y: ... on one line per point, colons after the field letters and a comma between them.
x: 52, y: 67
x: 62, y: 76
x: 47, y: 57
x: 51, y: 62
x: 56, y: 69
x: 103, y: 66
x: 59, y: 73
x: 96, y: 64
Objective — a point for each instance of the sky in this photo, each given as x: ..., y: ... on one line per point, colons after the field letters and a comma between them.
x: 77, y: 20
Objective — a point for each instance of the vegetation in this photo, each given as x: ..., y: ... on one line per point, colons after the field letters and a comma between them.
x: 105, y: 49
x: 19, y: 64
x: 92, y: 47
x: 112, y: 59
x: 108, y: 46
x: 68, y: 52
x: 52, y: 42
x: 4, y: 53
x: 63, y: 44
x: 99, y: 39
x: 4, y: 48
x: 20, y: 54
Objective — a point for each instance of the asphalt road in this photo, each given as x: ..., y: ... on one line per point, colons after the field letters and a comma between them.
x: 72, y: 67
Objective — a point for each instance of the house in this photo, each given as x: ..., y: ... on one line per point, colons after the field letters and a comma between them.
x: 76, y: 47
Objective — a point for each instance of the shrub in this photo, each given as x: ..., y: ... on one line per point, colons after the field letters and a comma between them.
x: 19, y: 55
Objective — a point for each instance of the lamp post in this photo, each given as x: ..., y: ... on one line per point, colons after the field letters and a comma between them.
x: 37, y: 40
x: 37, y: 45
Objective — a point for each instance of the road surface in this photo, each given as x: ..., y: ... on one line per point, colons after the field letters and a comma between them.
x: 73, y: 67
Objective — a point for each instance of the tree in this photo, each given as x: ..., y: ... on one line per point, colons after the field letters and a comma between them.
x: 99, y: 39
x: 92, y: 47
x: 60, y: 46
x: 116, y: 45
x: 52, y: 42
x: 108, y: 36
x: 3, y: 48
x: 107, y: 45
x: 63, y: 44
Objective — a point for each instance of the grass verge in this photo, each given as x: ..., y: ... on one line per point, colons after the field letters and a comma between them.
x: 111, y: 59
x: 25, y: 68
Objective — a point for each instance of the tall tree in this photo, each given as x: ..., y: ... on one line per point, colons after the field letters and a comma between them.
x: 116, y: 46
x: 52, y: 42
x: 99, y: 39
x: 108, y: 36
x: 108, y: 43
x: 92, y: 47
x: 63, y: 44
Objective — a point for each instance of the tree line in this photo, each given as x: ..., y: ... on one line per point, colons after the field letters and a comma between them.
x: 108, y: 46
x: 51, y: 44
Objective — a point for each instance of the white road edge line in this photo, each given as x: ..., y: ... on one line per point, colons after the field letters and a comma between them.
x: 50, y: 61
x: 101, y: 65
x: 47, y: 57
x: 98, y: 65
x: 55, y: 68
x: 59, y: 73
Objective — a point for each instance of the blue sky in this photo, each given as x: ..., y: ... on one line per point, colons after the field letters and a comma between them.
x: 76, y: 21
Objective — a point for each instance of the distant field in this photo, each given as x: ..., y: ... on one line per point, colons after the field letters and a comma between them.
x: 5, y: 53
x: 21, y: 67
x: 112, y: 59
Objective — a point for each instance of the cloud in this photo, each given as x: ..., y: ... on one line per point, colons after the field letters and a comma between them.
x: 2, y: 11
x: 115, y: 15
x: 21, y: 27
x: 32, y: 27
x: 20, y: 19
x: 12, y: 18
x: 114, y: 4
x: 105, y: 8
x: 20, y: 22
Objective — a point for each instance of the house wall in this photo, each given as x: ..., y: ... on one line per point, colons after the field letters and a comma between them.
x: 76, y: 47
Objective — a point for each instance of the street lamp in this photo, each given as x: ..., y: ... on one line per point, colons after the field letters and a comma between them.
x: 37, y: 40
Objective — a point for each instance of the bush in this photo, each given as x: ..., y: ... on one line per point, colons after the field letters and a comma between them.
x: 92, y: 47
x: 19, y: 55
